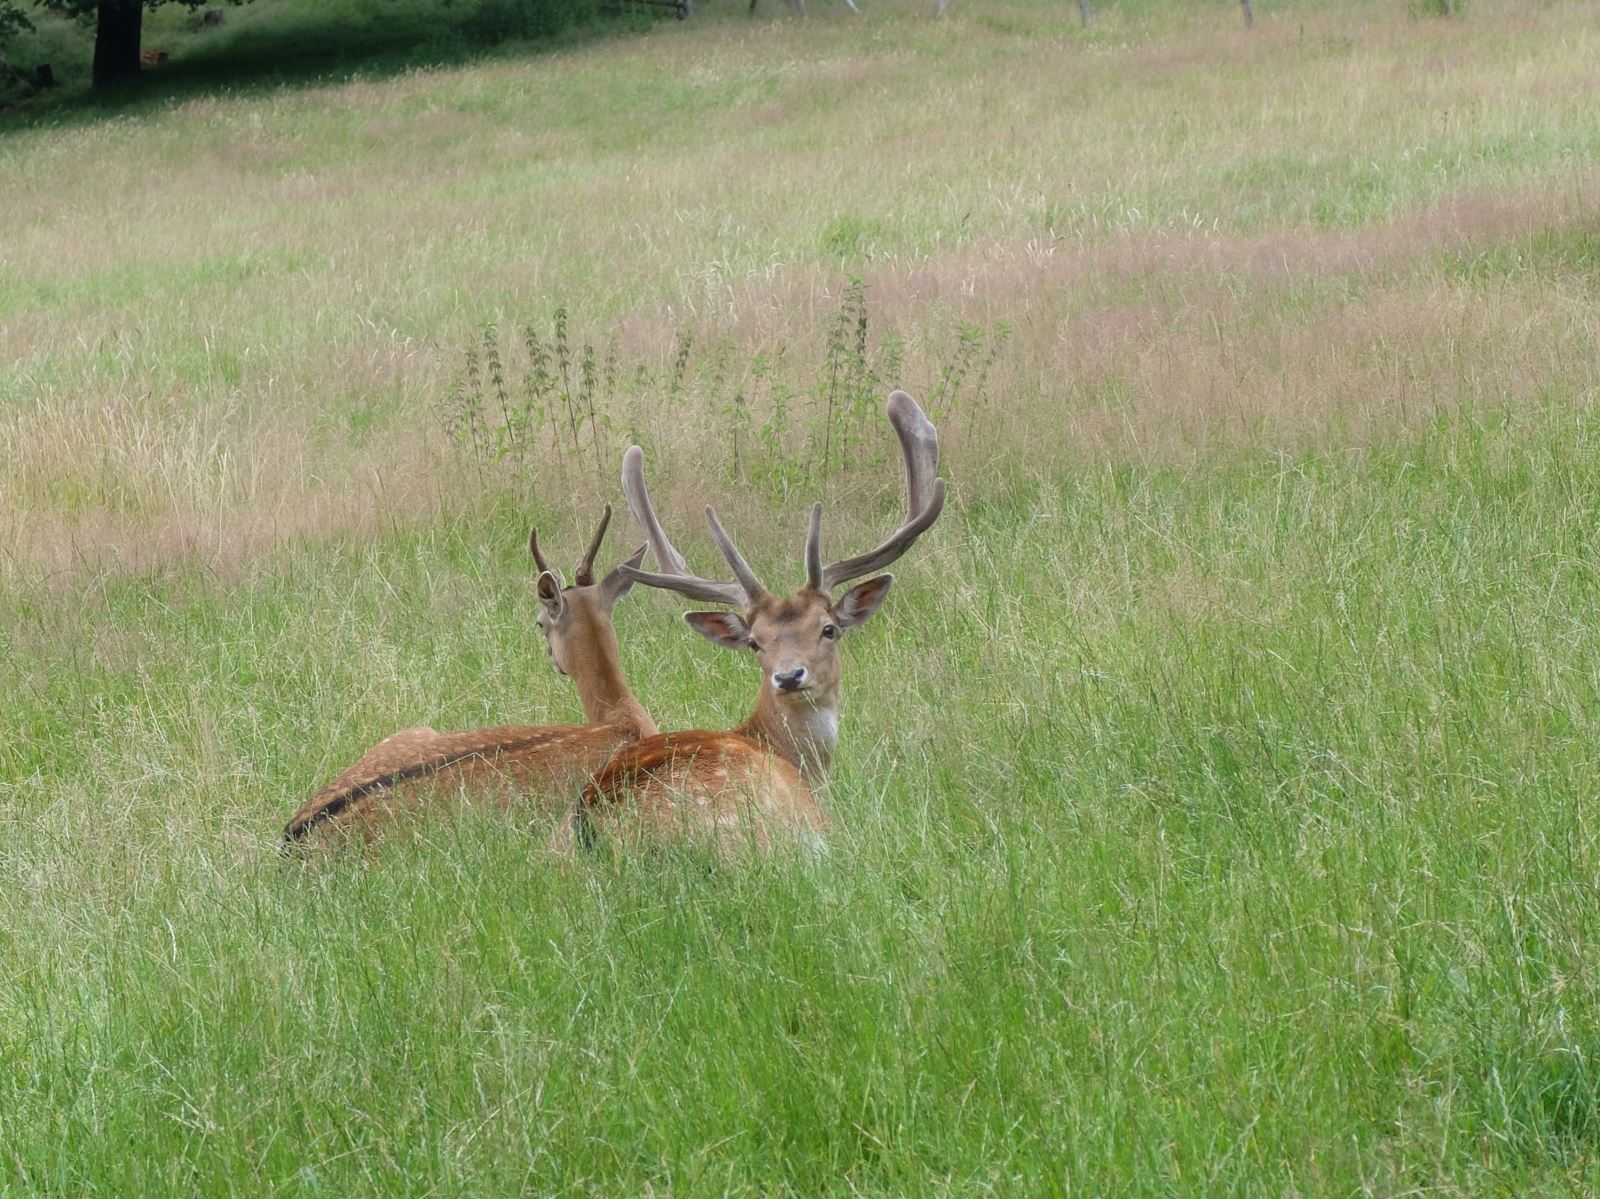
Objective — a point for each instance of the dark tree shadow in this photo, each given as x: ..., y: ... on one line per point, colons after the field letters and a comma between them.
x: 298, y: 49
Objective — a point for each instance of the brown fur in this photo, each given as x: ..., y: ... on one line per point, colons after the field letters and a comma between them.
x: 746, y: 787
x: 728, y: 787
x: 536, y: 764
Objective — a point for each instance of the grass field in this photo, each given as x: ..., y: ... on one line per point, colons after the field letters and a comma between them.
x: 1216, y: 803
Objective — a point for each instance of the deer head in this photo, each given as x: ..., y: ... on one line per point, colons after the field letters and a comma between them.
x: 576, y: 620
x: 796, y: 637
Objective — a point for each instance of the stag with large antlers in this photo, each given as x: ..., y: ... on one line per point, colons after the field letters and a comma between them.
x: 756, y: 781
x: 528, y: 763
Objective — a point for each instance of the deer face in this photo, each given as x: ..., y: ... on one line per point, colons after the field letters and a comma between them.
x: 796, y: 639
x: 576, y: 620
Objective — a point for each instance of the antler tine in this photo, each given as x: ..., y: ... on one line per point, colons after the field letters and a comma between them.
x: 753, y: 587
x: 689, y: 586
x: 668, y: 559
x: 919, y: 444
x: 814, y: 549
x: 899, y: 542
x: 674, y: 573
x: 538, y: 558
x: 585, y: 575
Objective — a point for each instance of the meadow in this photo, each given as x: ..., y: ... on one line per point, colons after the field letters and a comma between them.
x: 1216, y: 794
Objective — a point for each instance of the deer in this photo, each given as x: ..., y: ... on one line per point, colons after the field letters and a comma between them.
x: 761, y: 778
x: 419, y: 767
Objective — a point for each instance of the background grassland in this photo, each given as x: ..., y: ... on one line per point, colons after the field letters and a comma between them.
x: 1216, y: 800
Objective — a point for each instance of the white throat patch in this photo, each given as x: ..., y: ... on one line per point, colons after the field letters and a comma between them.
x: 822, y: 726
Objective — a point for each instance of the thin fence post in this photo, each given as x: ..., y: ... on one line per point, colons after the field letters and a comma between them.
x: 1083, y: 12
x: 1250, y: 15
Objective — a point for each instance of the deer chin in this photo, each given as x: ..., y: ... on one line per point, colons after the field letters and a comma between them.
x: 803, y: 699
x: 810, y: 712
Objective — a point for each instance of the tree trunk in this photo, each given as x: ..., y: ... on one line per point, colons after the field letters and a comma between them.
x: 1083, y: 12
x: 116, y: 41
x: 1249, y: 13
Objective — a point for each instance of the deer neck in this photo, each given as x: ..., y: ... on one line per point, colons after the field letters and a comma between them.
x: 604, y: 692
x: 802, y: 728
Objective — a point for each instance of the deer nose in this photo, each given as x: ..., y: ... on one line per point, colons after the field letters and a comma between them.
x: 790, y: 679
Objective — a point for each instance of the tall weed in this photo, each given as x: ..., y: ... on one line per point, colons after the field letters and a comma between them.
x: 554, y: 407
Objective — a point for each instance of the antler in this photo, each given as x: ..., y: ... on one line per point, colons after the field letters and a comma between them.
x: 538, y: 558
x: 814, y: 549
x: 753, y: 587
x: 919, y: 444
x: 674, y: 571
x: 585, y: 575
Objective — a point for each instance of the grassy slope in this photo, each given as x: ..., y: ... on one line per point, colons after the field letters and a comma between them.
x: 1216, y: 795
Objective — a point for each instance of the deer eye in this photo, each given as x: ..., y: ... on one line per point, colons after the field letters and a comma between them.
x: 754, y: 648
x: 830, y: 632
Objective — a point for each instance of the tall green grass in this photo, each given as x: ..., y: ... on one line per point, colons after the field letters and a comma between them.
x: 1215, y: 803
x: 1224, y: 829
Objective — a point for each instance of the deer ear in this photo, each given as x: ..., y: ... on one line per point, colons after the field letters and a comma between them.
x: 550, y: 594
x: 858, y: 604
x: 727, y: 629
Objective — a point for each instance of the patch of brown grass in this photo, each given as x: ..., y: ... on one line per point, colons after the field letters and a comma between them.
x: 252, y: 345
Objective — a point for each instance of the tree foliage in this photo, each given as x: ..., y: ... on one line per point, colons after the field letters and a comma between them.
x: 13, y: 87
x: 118, y: 28
x: 12, y: 20
x: 297, y: 36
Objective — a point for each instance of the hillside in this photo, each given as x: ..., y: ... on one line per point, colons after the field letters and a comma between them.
x: 1215, y: 799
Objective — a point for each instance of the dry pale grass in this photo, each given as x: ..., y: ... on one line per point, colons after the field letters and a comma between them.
x: 235, y: 328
